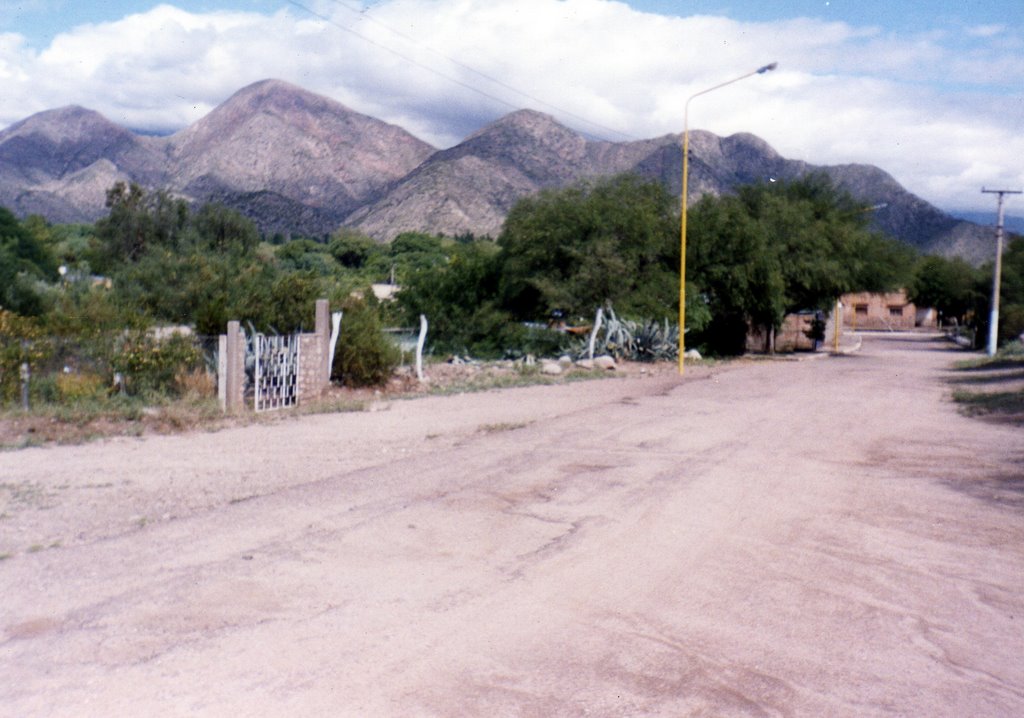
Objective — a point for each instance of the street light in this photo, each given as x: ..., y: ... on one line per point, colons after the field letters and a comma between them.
x: 682, y: 233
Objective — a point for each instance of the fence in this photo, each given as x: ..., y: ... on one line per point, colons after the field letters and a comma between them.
x: 97, y: 363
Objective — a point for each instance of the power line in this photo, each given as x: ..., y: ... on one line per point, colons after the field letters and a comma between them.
x: 363, y: 15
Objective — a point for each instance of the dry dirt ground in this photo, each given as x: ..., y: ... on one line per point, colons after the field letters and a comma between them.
x: 819, y: 538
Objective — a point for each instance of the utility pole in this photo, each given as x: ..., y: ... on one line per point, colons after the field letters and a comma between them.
x: 993, y: 320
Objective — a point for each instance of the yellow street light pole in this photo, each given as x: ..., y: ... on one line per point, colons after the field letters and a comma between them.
x: 682, y: 232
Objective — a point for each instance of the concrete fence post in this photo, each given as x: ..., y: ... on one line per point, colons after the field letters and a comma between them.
x: 234, y: 384
x: 323, y: 336
x: 222, y: 371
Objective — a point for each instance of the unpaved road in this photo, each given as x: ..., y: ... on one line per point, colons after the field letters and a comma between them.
x: 819, y: 538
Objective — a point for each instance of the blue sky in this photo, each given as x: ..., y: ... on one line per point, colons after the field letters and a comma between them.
x: 932, y: 92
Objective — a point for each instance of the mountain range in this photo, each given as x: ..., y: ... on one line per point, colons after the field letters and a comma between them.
x: 298, y: 162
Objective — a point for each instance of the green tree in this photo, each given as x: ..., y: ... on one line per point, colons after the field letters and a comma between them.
x: 24, y: 260
x: 948, y: 285
x: 305, y: 255
x: 575, y: 249
x: 1011, y: 311
x: 353, y: 249
x: 224, y: 230
x: 139, y: 221
x: 459, y: 298
x: 777, y: 248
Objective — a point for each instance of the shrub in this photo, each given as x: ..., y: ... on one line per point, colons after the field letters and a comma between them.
x: 152, y: 366
x: 21, y: 341
x: 79, y: 387
x: 364, y: 356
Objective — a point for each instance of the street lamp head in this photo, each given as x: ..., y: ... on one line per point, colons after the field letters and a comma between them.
x: 766, y: 68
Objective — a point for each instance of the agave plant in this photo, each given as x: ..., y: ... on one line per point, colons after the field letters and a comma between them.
x: 648, y: 340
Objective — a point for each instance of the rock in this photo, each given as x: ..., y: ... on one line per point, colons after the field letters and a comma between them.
x: 587, y: 364
x: 565, y: 361
x: 692, y: 354
x: 550, y: 367
x: 604, y: 362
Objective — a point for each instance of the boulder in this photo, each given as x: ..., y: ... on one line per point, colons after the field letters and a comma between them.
x: 550, y: 367
x: 604, y: 362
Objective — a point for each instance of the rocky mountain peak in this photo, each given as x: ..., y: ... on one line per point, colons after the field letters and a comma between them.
x: 295, y: 161
x: 68, y: 124
x: 274, y: 137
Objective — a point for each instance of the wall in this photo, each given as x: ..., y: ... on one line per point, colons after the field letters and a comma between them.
x: 792, y: 335
x: 880, y: 311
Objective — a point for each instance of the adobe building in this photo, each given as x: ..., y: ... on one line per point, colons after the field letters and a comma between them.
x: 885, y: 311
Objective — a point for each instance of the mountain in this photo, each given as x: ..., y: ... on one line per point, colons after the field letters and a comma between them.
x: 59, y: 163
x: 1011, y: 223
x: 291, y: 159
x: 296, y: 161
x: 275, y: 144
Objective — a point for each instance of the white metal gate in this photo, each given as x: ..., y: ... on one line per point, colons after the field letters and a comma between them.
x: 277, y: 371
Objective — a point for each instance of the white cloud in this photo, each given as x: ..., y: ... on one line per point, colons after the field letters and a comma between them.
x: 986, y: 30
x: 841, y: 93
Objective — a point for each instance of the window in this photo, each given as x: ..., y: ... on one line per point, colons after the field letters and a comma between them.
x: 895, y: 311
x: 860, y: 309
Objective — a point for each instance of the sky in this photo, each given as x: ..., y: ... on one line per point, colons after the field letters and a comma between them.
x: 931, y: 92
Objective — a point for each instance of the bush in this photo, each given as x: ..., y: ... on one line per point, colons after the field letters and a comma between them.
x: 152, y: 366
x: 73, y: 388
x: 364, y: 356
x: 21, y: 341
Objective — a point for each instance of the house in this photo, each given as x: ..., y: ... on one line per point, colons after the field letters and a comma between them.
x: 801, y: 331
x: 887, y: 311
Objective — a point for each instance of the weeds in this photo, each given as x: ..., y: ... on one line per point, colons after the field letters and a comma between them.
x: 502, y: 426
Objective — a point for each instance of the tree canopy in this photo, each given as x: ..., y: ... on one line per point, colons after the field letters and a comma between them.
x: 781, y: 247
x: 611, y: 240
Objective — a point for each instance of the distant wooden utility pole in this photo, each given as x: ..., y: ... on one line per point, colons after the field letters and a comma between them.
x: 993, y: 321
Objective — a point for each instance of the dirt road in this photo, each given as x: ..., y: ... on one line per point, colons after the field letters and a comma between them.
x: 819, y: 538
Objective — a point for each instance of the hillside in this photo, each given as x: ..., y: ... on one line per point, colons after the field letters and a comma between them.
x: 296, y: 161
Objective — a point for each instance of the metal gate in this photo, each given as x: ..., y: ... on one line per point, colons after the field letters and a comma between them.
x: 277, y: 372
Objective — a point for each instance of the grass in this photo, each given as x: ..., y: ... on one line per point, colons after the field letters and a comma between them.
x: 1005, y: 369
x: 984, y: 403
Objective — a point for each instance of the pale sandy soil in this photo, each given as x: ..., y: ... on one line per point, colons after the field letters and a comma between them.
x: 828, y: 537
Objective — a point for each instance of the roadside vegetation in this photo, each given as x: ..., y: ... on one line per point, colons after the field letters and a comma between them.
x: 993, y: 387
x: 117, y: 321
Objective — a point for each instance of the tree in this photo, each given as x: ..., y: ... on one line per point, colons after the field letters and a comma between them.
x: 948, y: 285
x: 23, y: 261
x: 224, y: 230
x: 139, y: 221
x: 460, y: 300
x: 781, y: 247
x: 575, y: 249
x: 1011, y: 312
x: 352, y: 249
